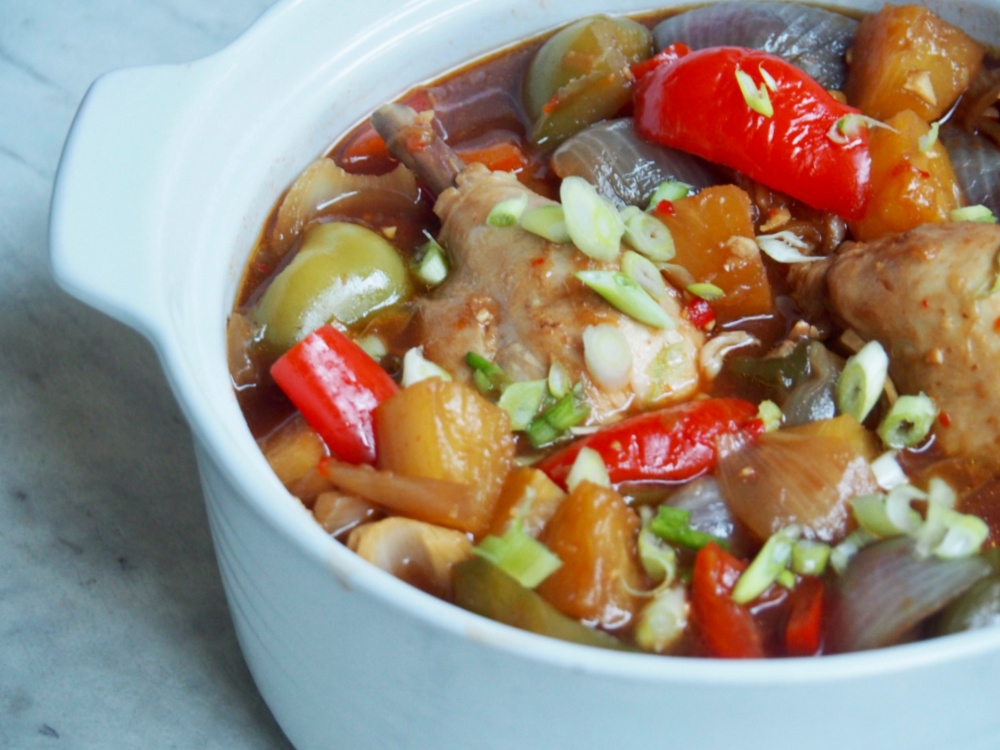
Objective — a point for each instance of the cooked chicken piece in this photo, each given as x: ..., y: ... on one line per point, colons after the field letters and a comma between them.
x: 925, y: 296
x: 513, y: 298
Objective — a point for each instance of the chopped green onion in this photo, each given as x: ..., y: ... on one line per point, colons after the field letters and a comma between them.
x: 770, y: 414
x: 929, y: 139
x: 978, y: 213
x: 507, y: 212
x: 849, y: 127
x: 773, y: 558
x: 607, y: 355
x: 588, y: 466
x: 706, y: 291
x: 841, y: 555
x: 785, y: 247
x: 558, y: 380
x: 674, y: 525
x: 664, y: 620
x: 519, y: 555
x: 592, y: 220
x: 678, y: 275
x: 553, y: 422
x: 756, y: 98
x: 785, y: 578
x: 416, y: 368
x: 432, y: 266
x: 890, y: 515
x: 373, y: 346
x: 641, y: 270
x: 768, y: 78
x: 939, y: 492
x: 521, y: 401
x: 908, y: 422
x: 658, y: 559
x: 647, y: 234
x: 668, y: 191
x: 548, y: 222
x: 488, y: 377
x: 949, y: 535
x: 888, y: 473
x: 862, y: 381
x: 627, y: 296
x: 810, y: 557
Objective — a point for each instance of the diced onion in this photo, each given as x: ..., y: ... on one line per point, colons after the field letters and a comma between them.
x: 416, y: 368
x: 888, y: 473
x: 862, y: 381
x: 774, y: 557
x: 978, y: 213
x: 641, y: 270
x: 521, y: 401
x: 607, y: 355
x: 507, y: 212
x: 908, y: 422
x: 647, y: 234
x: 548, y: 222
x: 588, y: 466
x: 592, y: 220
x: 627, y: 296
x: 784, y: 247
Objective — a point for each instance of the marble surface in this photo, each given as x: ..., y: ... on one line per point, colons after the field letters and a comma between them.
x: 114, y: 631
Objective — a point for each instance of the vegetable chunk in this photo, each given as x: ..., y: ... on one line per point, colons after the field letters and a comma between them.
x: 439, y: 429
x: 905, y: 57
x: 594, y: 533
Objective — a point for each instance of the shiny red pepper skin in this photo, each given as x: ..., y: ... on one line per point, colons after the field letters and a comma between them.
x: 727, y: 629
x: 336, y: 386
x: 672, y: 444
x: 694, y: 103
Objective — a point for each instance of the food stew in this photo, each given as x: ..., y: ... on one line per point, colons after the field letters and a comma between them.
x: 674, y: 334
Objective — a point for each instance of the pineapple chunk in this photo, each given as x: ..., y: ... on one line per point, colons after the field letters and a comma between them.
x: 444, y: 430
x: 707, y: 228
x: 594, y: 534
x: 905, y: 57
x: 530, y: 494
x: 293, y: 450
x: 910, y: 187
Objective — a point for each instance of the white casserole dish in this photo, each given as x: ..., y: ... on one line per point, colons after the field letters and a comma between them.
x: 167, y: 177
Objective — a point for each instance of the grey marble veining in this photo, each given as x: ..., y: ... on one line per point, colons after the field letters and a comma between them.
x: 113, y: 627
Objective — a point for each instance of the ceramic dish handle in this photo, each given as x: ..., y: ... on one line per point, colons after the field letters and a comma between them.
x: 106, y: 206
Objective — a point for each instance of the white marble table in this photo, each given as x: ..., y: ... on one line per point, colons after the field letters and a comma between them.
x: 114, y: 631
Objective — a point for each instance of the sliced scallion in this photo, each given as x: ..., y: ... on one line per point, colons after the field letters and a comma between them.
x: 706, y: 291
x: 770, y: 414
x: 668, y: 191
x: 848, y: 127
x: 810, y: 557
x: 908, y: 422
x: 862, y: 381
x: 890, y: 515
x: 756, y: 98
x: 587, y: 467
x: 607, y: 355
x: 784, y: 247
x: 641, y: 270
x: 416, y: 368
x: 674, y: 525
x: 950, y: 535
x: 592, y: 220
x: 548, y: 222
x: 489, y: 377
x: 658, y: 559
x: 888, y: 473
x: 373, y: 346
x: 647, y: 234
x: 627, y: 296
x: 554, y: 421
x: 521, y: 401
x: 939, y: 492
x: 785, y: 578
x: 507, y: 212
x: 926, y: 141
x: 774, y: 557
x: 558, y: 380
x: 978, y: 213
x: 432, y: 266
x: 664, y: 620
x: 767, y: 78
x: 519, y: 555
x: 841, y: 555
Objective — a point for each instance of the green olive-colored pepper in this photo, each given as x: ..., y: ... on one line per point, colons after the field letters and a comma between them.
x: 343, y: 273
x: 581, y: 75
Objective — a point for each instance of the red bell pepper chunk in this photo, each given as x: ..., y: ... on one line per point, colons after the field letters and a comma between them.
x: 728, y: 629
x: 804, y: 631
x: 336, y: 386
x: 694, y: 103
x: 672, y: 444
